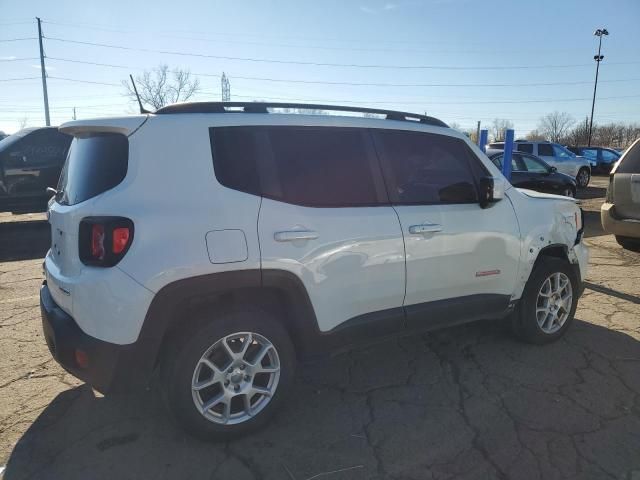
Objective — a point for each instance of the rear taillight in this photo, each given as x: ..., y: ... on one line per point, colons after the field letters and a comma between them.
x: 103, y: 241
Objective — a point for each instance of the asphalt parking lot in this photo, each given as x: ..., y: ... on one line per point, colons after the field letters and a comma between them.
x: 466, y: 402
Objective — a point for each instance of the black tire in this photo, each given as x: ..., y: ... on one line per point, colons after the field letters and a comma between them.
x: 628, y: 243
x: 583, y: 172
x: 180, y: 363
x: 524, y: 322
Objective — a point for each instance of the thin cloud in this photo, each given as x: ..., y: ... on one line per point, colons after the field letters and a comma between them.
x: 12, y: 57
x: 47, y: 68
x: 375, y: 10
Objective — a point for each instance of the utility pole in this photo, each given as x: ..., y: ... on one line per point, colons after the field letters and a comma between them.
x: 226, y: 88
x: 598, y: 58
x: 74, y: 113
x: 44, y: 76
x: 478, y: 133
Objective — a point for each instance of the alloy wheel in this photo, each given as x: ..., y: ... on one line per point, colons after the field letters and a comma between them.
x: 555, y: 299
x: 236, y: 378
x: 583, y: 177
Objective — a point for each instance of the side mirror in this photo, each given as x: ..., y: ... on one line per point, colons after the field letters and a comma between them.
x: 553, y: 169
x: 491, y: 191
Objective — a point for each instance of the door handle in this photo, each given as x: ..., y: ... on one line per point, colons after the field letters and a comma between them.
x: 425, y: 228
x: 295, y: 235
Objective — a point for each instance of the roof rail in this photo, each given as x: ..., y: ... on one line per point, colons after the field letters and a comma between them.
x: 262, y: 107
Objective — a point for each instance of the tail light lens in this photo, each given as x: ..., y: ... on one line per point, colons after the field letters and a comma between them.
x: 103, y: 241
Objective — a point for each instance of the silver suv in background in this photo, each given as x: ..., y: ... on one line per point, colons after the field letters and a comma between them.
x: 555, y: 155
x: 620, y: 214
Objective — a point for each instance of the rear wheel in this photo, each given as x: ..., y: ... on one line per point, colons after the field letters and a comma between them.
x: 583, y: 177
x: 628, y: 243
x: 548, y: 302
x: 228, y: 376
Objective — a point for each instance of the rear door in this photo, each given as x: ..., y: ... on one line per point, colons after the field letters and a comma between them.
x: 626, y: 184
x: 461, y: 259
x: 326, y: 219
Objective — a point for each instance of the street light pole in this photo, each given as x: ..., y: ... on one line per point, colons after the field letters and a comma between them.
x: 598, y: 58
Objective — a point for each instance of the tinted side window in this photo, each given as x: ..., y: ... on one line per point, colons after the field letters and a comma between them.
x: 590, y: 153
x: 235, y: 152
x: 545, y: 150
x: 95, y: 164
x: 609, y: 156
x: 322, y: 166
x: 311, y: 166
x: 423, y: 168
x: 533, y: 165
x: 631, y: 161
x: 524, y: 147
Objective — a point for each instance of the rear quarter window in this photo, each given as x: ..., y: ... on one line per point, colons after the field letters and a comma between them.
x: 95, y: 164
x: 631, y: 161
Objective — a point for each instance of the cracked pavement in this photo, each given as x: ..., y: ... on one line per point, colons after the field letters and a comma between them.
x: 465, y: 402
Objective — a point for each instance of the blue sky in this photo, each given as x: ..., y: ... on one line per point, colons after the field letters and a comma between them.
x: 460, y: 41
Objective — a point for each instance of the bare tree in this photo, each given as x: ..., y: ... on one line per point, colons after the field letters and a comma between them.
x: 578, y: 135
x: 23, y: 123
x: 498, y: 126
x: 160, y: 86
x: 534, y: 135
x: 554, y: 126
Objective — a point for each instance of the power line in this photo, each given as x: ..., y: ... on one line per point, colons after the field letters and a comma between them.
x: 17, y: 39
x: 324, y: 64
x: 17, y: 79
x: 428, y: 102
x: 16, y: 59
x: 85, y: 81
x: 359, y: 84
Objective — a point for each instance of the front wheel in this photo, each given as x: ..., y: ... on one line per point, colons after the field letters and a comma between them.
x: 583, y: 177
x: 548, y: 302
x: 229, y: 375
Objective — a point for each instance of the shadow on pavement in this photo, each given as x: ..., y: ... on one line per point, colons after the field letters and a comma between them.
x: 467, y: 402
x: 592, y: 224
x: 591, y: 192
x: 24, y: 240
x: 614, y: 293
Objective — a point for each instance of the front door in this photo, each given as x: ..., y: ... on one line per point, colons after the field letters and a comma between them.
x: 461, y: 259
x: 325, y: 218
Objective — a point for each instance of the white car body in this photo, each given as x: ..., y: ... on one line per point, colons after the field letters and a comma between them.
x: 357, y: 261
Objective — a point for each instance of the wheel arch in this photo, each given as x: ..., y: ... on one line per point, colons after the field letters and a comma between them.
x: 175, y: 306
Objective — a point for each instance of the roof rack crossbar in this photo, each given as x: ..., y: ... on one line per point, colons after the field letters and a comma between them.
x: 262, y: 107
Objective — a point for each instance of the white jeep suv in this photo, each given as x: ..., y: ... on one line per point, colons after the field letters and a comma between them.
x: 215, y: 245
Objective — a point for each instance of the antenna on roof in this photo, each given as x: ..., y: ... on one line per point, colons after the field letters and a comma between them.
x: 142, y: 109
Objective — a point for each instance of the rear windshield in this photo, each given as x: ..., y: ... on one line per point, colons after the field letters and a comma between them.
x: 631, y: 161
x: 95, y: 164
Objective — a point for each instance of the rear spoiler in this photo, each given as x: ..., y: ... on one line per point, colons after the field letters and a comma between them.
x: 123, y: 125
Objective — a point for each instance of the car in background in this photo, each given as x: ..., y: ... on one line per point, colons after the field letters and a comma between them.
x: 30, y: 161
x: 604, y: 158
x: 533, y: 173
x: 620, y: 214
x: 555, y: 155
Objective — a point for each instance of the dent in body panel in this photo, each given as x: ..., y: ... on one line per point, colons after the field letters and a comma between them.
x: 544, y: 222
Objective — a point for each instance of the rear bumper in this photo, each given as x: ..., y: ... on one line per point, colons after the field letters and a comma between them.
x: 611, y: 223
x: 110, y: 367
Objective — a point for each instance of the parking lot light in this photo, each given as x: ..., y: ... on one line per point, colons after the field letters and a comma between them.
x: 600, y: 32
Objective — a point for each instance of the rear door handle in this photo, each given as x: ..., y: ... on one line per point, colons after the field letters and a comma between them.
x: 294, y: 235
x: 425, y: 228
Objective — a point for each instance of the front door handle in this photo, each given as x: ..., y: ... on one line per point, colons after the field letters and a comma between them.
x: 425, y: 228
x: 295, y: 235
